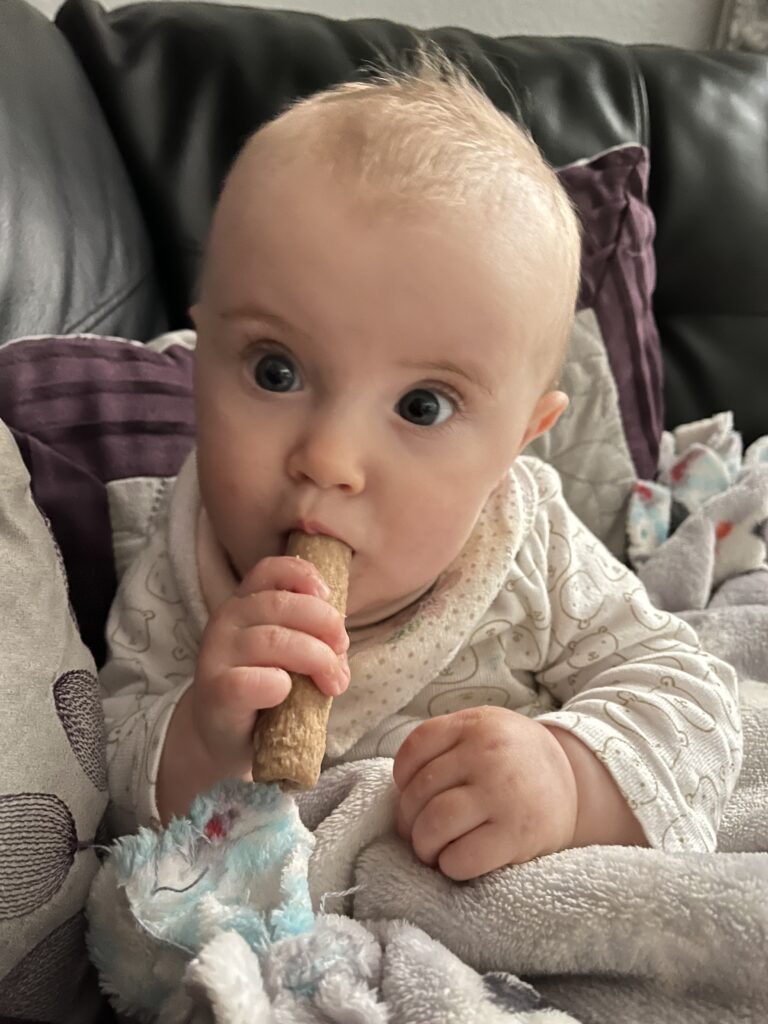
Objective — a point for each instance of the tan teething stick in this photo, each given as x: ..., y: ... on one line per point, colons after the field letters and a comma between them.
x: 289, y: 741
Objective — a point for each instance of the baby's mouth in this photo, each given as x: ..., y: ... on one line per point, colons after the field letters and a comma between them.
x: 282, y: 544
x: 313, y: 528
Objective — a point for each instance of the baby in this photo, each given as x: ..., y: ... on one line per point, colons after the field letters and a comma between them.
x: 386, y: 300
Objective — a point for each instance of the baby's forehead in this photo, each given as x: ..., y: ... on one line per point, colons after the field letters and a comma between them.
x: 277, y: 170
x: 269, y: 187
x: 496, y: 190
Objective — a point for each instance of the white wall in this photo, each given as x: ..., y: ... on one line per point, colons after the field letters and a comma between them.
x: 690, y: 23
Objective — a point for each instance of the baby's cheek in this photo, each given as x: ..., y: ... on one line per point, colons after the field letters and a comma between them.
x: 431, y: 534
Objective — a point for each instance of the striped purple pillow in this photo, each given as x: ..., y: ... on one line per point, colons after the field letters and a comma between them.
x: 85, y: 410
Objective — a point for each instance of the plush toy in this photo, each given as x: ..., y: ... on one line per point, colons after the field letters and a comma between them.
x: 214, y: 913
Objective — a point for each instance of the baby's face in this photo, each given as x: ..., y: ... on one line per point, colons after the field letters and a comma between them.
x: 358, y: 373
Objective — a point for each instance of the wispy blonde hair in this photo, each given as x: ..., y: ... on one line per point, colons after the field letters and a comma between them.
x: 425, y: 132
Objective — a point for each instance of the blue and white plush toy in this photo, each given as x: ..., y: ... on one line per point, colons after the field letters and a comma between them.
x: 225, y: 890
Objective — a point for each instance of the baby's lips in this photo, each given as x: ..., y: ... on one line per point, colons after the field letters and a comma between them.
x: 313, y: 527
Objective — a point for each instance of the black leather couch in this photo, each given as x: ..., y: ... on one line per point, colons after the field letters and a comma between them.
x: 117, y: 128
x: 116, y: 131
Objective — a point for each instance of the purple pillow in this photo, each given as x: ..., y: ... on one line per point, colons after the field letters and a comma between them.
x: 86, y: 410
x: 610, y: 193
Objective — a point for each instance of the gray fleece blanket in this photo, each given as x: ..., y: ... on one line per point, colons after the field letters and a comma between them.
x: 602, y: 935
x: 606, y: 935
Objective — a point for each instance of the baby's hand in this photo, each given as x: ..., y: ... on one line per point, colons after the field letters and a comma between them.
x: 278, y: 621
x: 482, y: 788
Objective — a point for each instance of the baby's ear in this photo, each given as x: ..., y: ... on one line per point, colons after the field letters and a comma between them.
x: 545, y: 415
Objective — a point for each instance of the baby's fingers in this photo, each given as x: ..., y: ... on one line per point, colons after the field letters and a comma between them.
x: 241, y: 692
x: 293, y: 651
x: 284, y: 573
x: 445, y: 820
x: 426, y: 743
x: 438, y: 776
x: 476, y: 853
x: 299, y: 612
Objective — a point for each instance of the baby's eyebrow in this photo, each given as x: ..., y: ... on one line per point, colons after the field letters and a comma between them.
x: 252, y: 313
x: 469, y: 372
x: 271, y: 320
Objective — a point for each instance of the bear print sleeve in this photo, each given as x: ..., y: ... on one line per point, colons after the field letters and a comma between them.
x: 151, y: 657
x: 634, y: 685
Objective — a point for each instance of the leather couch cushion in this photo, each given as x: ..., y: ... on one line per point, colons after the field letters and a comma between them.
x: 184, y: 85
x: 74, y: 255
x: 709, y: 190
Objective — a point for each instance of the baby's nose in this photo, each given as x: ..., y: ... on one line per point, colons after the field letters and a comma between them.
x: 328, y: 460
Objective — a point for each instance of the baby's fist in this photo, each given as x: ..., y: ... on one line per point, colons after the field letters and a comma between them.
x: 278, y: 622
x: 483, y: 788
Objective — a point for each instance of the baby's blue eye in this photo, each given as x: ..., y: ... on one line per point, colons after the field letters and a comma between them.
x: 423, y: 407
x: 275, y: 373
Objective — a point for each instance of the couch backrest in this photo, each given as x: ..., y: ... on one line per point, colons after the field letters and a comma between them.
x: 74, y: 253
x: 708, y: 133
x: 182, y: 85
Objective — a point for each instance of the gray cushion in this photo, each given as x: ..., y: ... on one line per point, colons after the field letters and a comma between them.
x: 52, y: 769
x: 74, y: 253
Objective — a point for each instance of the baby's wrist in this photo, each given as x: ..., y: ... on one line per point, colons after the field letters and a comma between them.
x: 603, y: 815
x: 186, y: 766
x: 568, y: 800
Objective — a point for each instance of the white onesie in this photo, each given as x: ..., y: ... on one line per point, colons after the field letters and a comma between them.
x: 534, y: 615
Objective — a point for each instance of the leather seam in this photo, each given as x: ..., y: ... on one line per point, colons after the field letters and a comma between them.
x: 107, y: 306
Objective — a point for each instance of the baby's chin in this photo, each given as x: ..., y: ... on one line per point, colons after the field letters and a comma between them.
x: 374, y: 612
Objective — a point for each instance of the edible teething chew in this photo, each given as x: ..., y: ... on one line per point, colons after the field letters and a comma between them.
x: 289, y: 742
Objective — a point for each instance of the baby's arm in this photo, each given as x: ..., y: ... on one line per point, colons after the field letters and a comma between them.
x: 278, y: 622
x: 151, y: 657
x: 603, y: 816
x: 659, y: 715
x: 644, y: 751
x: 180, y: 708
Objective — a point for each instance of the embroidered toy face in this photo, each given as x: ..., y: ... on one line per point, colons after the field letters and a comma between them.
x: 364, y: 369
